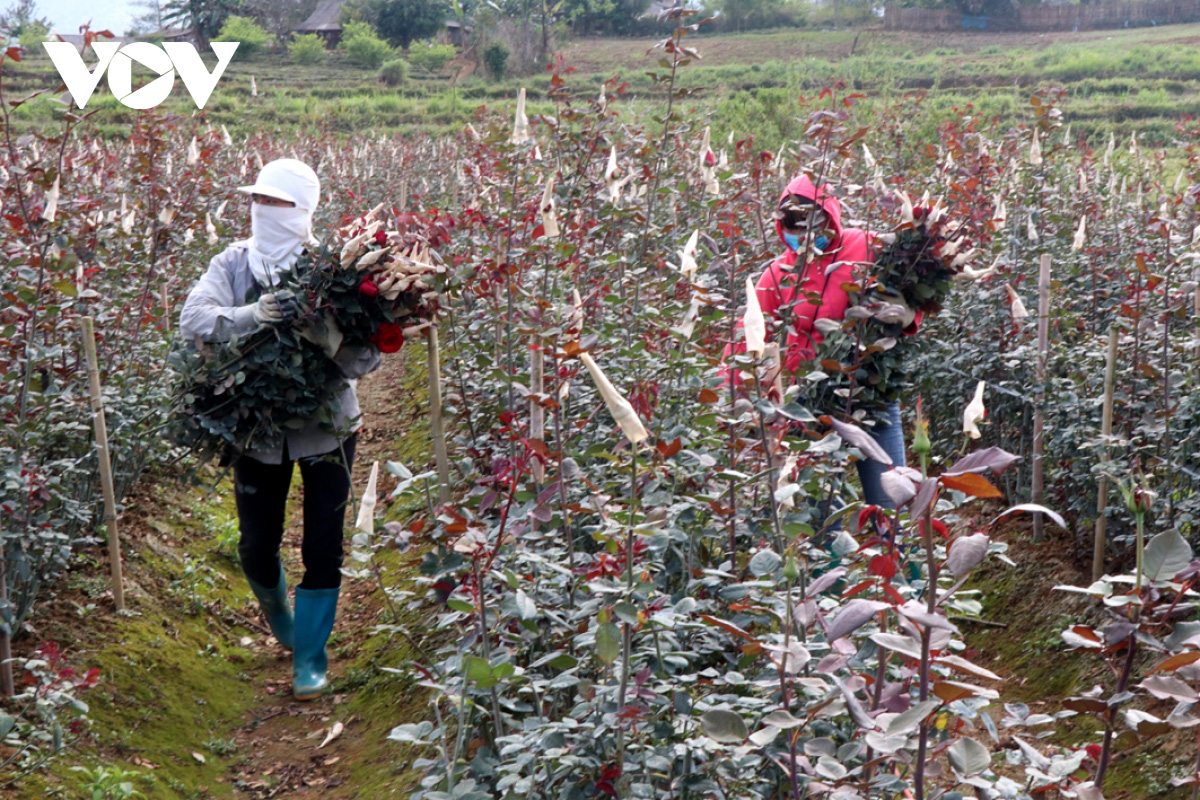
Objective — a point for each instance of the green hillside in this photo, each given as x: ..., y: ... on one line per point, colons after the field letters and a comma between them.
x: 1142, y: 79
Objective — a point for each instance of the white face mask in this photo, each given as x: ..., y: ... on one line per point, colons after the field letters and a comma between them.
x: 279, y: 233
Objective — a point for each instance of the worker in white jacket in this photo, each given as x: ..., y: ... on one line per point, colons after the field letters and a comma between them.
x: 236, y: 295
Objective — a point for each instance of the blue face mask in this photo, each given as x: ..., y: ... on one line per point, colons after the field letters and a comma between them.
x: 794, y: 242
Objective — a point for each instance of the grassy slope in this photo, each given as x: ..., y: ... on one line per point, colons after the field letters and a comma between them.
x: 1123, y: 80
x: 1024, y: 645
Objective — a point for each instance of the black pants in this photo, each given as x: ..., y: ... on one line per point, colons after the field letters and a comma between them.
x: 261, y: 492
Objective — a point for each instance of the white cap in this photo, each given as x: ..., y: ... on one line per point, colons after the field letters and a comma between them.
x: 288, y: 179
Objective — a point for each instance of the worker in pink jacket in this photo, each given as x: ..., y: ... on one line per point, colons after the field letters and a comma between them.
x: 798, y: 292
x: 810, y: 216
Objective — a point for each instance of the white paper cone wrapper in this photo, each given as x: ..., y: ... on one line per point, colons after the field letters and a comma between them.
x: 366, y: 508
x: 753, y: 322
x: 622, y: 412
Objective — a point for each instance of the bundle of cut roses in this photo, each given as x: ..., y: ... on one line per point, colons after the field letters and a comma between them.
x: 913, y: 271
x: 370, y: 285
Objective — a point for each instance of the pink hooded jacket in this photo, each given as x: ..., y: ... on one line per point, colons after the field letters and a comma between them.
x: 781, y: 283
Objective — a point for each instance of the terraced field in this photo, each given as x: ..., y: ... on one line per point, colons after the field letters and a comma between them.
x: 1141, y: 79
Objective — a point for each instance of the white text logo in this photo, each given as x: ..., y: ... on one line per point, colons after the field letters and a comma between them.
x: 118, y: 61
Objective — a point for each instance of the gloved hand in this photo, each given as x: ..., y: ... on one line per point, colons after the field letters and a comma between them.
x: 325, y: 334
x: 276, y: 307
x: 895, y: 308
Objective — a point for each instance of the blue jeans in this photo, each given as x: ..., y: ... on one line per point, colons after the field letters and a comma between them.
x: 889, y: 436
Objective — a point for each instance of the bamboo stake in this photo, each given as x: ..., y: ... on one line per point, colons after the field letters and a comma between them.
x: 1039, y: 413
x: 1196, y: 302
x: 165, y: 300
x: 106, y: 477
x: 1110, y: 382
x: 437, y: 430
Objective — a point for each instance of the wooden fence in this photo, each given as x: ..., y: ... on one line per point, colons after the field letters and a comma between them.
x: 1046, y: 18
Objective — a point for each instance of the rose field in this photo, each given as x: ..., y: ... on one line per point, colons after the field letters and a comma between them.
x: 602, y: 555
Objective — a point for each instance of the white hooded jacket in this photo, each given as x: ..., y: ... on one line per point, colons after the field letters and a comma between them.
x: 221, y: 305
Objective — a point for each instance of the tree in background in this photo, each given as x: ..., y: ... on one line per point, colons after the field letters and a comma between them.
x: 279, y: 17
x: 431, y: 57
x: 307, y: 48
x: 987, y: 8
x: 21, y: 18
x: 205, y: 17
x: 402, y: 21
x: 602, y: 16
x: 496, y: 59
x: 363, y: 46
x: 150, y: 17
x: 243, y: 29
x: 523, y: 27
x: 744, y: 15
x: 394, y: 73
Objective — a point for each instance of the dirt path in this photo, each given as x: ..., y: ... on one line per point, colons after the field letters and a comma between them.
x: 281, y: 738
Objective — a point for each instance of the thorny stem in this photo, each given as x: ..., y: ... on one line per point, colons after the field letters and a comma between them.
x: 792, y: 773
x: 1141, y: 525
x: 508, y: 290
x: 458, y: 740
x: 926, y: 635
x: 562, y: 485
x: 462, y: 382
x: 653, y: 191
x: 627, y: 632
x: 487, y: 649
x: 1111, y: 718
x: 732, y: 400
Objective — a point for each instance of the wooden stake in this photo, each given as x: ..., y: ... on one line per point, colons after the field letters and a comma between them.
x: 437, y: 430
x: 1110, y: 382
x: 165, y: 300
x: 1039, y: 414
x: 106, y: 477
x: 1196, y: 301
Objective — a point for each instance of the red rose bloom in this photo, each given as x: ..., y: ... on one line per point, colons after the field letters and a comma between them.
x: 368, y: 287
x: 389, y: 338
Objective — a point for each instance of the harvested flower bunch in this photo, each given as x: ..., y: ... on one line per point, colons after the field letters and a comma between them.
x: 371, y: 285
x: 926, y: 252
x: 913, y: 272
x: 379, y: 280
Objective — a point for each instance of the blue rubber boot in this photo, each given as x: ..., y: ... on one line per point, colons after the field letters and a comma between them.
x: 277, y: 609
x: 315, y: 611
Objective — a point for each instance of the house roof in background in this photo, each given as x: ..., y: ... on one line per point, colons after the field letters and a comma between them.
x: 168, y: 33
x: 325, y: 17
